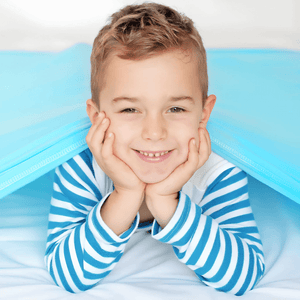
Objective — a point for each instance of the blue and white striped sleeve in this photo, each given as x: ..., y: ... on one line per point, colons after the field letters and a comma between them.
x: 218, y: 239
x: 81, y: 249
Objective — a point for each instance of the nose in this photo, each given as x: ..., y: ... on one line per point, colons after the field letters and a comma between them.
x: 154, y: 128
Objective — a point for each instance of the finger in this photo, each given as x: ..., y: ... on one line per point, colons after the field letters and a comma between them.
x: 208, y: 140
x: 94, y: 126
x: 190, y: 166
x: 204, y: 149
x: 97, y: 138
x: 107, y: 151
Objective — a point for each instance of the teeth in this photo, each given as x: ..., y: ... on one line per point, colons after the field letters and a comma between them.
x: 151, y: 154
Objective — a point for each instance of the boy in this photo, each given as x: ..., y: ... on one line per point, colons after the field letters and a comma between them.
x: 149, y: 163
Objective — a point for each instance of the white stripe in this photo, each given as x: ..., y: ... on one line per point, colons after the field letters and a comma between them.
x: 232, y: 214
x: 97, y: 256
x: 76, y: 190
x: 75, y: 176
x: 195, y: 240
x: 209, y: 244
x: 97, y: 271
x: 65, y: 267
x: 231, y: 268
x: 232, y: 173
x: 59, y: 218
x: 238, y: 226
x: 219, y: 206
x: 254, y: 273
x: 219, y: 259
x: 245, y: 269
x: 189, y: 221
x: 66, y: 205
x: 223, y: 191
x: 54, y: 268
x: 84, y: 167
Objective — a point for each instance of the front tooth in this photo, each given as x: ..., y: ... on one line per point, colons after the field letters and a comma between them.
x: 157, y: 154
x: 151, y: 154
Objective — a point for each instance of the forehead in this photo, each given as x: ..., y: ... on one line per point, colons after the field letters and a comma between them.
x: 172, y: 73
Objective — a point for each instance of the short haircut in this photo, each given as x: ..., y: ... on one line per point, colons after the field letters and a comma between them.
x: 138, y: 32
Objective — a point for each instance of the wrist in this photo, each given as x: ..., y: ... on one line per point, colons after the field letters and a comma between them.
x: 129, y: 194
x: 154, y: 197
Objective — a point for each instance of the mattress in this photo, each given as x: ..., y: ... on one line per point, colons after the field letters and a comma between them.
x: 254, y: 125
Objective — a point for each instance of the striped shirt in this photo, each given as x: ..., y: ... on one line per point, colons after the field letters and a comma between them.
x: 212, y: 231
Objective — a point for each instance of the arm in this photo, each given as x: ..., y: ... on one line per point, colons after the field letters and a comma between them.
x: 81, y: 248
x: 218, y: 239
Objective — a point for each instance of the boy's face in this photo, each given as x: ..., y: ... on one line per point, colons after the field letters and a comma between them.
x: 153, y: 122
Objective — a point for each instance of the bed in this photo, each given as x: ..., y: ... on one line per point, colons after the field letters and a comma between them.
x: 255, y: 125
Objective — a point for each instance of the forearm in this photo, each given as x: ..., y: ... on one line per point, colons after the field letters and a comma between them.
x: 81, y: 250
x: 231, y: 261
x: 162, y: 207
x: 120, y: 209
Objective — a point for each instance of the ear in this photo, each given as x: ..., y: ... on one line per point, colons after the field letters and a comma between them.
x: 207, y: 109
x: 92, y: 110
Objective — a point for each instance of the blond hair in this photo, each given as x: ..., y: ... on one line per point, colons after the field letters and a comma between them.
x: 141, y: 31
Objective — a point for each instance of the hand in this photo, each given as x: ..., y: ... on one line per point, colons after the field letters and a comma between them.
x: 174, y: 182
x: 101, y: 146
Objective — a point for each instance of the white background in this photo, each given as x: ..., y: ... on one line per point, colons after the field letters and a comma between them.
x: 58, y: 24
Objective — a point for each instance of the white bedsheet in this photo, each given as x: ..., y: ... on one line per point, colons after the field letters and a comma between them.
x: 156, y: 272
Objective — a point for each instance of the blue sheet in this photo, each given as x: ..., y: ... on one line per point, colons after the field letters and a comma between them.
x: 255, y: 123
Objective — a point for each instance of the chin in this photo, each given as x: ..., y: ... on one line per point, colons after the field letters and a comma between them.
x: 153, y: 178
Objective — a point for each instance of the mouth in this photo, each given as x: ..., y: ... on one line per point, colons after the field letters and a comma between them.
x: 153, y: 153
x: 154, y: 156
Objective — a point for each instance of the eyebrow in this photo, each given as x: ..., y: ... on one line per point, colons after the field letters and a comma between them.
x: 133, y: 99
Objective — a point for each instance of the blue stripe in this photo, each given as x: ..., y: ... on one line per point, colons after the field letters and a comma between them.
x: 85, y: 178
x: 225, y: 198
x: 53, y: 225
x: 251, y: 229
x: 96, y: 246
x: 95, y: 263
x: 101, y: 230
x: 214, y: 184
x: 237, y: 272
x: 77, y: 246
x: 230, y: 208
x: 181, y: 221
x: 226, y: 260
x: 75, y: 197
x: 52, y: 273
x: 54, y: 210
x: 61, y: 273
x: 70, y: 267
x: 92, y: 276
x: 212, y: 256
x: 238, y: 219
x: 201, y: 244
x: 61, y: 197
x: 190, y: 233
x: 246, y: 284
x: 231, y: 180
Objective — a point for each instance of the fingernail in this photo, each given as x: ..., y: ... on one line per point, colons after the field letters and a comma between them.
x: 104, y: 120
x: 194, y: 142
x: 110, y: 134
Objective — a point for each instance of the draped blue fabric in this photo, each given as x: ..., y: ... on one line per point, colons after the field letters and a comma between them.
x: 255, y: 123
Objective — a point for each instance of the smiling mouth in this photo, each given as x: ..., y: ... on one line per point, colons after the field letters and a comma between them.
x: 153, y: 154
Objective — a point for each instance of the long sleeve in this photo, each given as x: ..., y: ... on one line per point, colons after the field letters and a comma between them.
x: 81, y: 249
x: 218, y: 239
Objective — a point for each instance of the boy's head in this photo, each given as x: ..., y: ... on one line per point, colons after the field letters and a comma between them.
x: 154, y: 57
x: 138, y: 32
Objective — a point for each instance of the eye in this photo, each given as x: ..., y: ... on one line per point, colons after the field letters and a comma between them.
x: 128, y: 110
x: 178, y: 109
